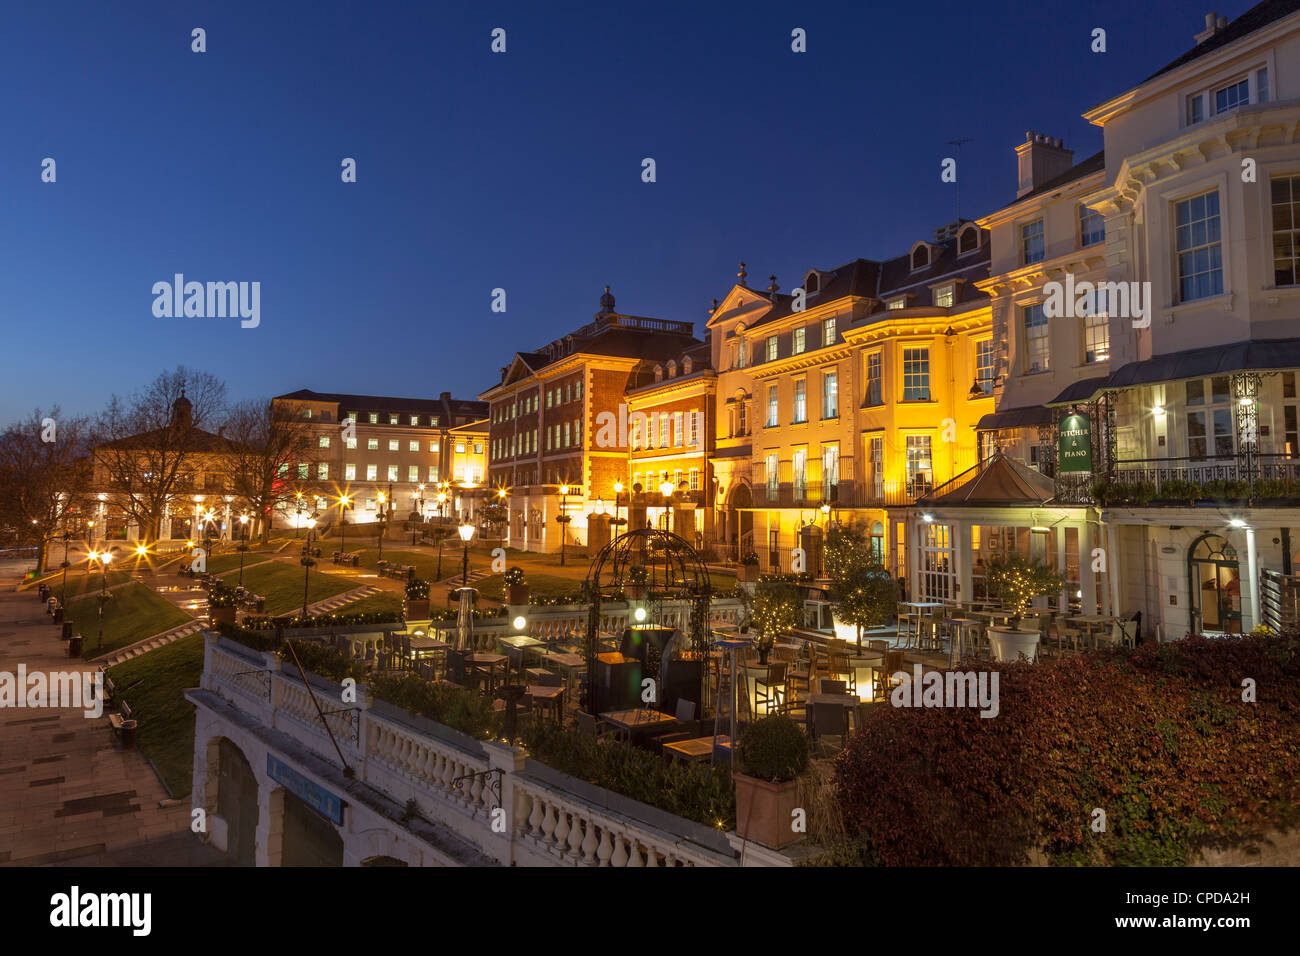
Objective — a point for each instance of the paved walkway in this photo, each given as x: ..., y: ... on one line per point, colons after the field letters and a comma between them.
x: 68, y: 794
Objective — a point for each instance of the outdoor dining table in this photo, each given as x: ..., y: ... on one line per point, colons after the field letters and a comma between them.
x: 639, y: 721
x: 994, y: 615
x: 488, y: 662
x: 427, y: 646
x: 849, y: 702
x: 551, y: 698
x: 699, y: 749
x: 518, y: 647
x: 1090, y: 623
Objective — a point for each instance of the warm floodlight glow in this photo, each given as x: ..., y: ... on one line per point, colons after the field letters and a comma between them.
x: 639, y: 614
x: 618, y: 487
x: 520, y: 623
x: 141, y: 550
x: 564, y: 489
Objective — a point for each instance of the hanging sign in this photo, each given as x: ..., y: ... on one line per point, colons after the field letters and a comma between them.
x: 1074, y: 444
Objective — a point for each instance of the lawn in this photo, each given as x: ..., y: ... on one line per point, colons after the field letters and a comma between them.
x: 135, y: 612
x: 152, y: 684
x: 385, y: 601
x: 230, y: 561
x: 281, y: 584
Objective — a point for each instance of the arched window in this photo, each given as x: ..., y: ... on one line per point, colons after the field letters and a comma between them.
x: 672, y: 369
x: 686, y: 365
x: 920, y: 256
x: 968, y: 240
x: 812, y: 282
x: 659, y: 373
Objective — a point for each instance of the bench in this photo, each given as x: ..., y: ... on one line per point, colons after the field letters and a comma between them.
x: 123, y: 724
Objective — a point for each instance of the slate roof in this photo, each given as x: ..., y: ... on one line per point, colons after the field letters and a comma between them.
x: 1256, y: 18
x: 450, y: 410
x: 998, y: 481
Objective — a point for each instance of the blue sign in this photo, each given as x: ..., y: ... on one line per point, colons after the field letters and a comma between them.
x: 316, y: 797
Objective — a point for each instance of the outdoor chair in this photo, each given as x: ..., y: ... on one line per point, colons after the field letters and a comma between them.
x: 801, y: 674
x: 829, y: 720
x: 590, y: 728
x: 883, y: 681
x: 828, y: 686
x: 770, y: 689
x: 841, y: 665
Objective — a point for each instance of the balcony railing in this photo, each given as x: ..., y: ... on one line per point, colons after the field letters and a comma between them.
x: 1160, y: 473
x: 846, y: 494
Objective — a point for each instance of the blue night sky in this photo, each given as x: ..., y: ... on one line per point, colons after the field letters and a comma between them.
x: 478, y: 171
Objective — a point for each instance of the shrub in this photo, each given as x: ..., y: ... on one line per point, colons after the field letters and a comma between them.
x: 1230, y: 489
x: 773, y: 749
x: 1157, y: 736
x: 864, y: 592
x: 514, y: 575
x: 697, y: 792
x: 221, y: 595
x: 637, y: 574
x: 453, y: 707
x: 323, y: 659
x: 749, y: 559
x: 417, y: 589
x: 774, y: 610
x: 1180, y: 489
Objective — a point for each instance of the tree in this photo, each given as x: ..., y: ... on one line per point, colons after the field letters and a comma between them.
x: 773, y: 610
x: 149, y: 447
x: 861, y: 588
x: 1017, y: 582
x: 269, y: 442
x: 43, y: 474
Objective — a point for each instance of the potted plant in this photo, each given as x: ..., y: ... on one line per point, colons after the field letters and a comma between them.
x: 749, y: 567
x: 417, y: 599
x: 221, y: 604
x: 863, y: 592
x: 773, y: 610
x: 516, y: 589
x: 771, y: 754
x: 636, y: 578
x: 1017, y: 582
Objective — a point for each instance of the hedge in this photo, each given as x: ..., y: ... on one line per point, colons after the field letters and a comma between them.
x: 1158, y: 738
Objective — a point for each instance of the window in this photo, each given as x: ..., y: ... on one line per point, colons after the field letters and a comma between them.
x: 1096, y: 336
x: 433, y: 473
x: 372, y: 472
x: 875, y: 381
x: 828, y: 332
x: 1195, y: 109
x: 460, y: 448
x: 968, y: 240
x: 773, y: 476
x: 350, y: 472
x: 413, y: 473
x: 830, y: 471
x: 799, y: 338
x: 350, y: 443
x: 876, y: 462
x: 324, y: 441
x: 799, y: 469
x: 920, y: 471
x: 306, y: 413
x: 772, y: 405
x: 415, y: 419
x: 433, y: 446
x: 920, y: 257
x: 678, y: 437
x: 1209, y: 429
x: 694, y: 428
x: 478, y: 447
x: 374, y: 418
x: 984, y: 365
x: 1032, y: 242
x: 549, y: 398
x: 771, y: 348
x: 634, y: 438
x: 413, y: 446
x: 1092, y: 228
x: 694, y: 479
x: 393, y: 444
x: 944, y: 296
x: 916, y: 375
x: 1231, y: 96
x: 372, y: 444
x: 1196, y: 239
x: 568, y: 437
x: 742, y: 417
x: 392, y: 473
x: 830, y: 395
x: 899, y: 303
x: 664, y: 435
x: 577, y: 390
x: 1286, y: 230
x: 800, y: 401
x: 322, y: 471
x: 1036, y: 344
x: 392, y: 419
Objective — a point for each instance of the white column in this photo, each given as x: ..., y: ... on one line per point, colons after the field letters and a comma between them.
x: 1087, y: 582
x: 917, y: 535
x: 1063, y: 598
x: 1251, y: 619
x: 962, y: 555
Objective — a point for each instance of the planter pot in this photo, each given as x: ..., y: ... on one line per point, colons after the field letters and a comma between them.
x: 219, y: 615
x: 764, y: 811
x: 1009, y: 644
x: 635, y: 592
x: 417, y: 609
x: 518, y: 594
x: 749, y: 573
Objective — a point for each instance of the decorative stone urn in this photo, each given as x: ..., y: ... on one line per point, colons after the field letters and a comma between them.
x: 1010, y: 644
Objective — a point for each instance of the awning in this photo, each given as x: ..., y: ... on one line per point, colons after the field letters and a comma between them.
x: 999, y: 482
x: 1024, y: 417
x: 1084, y: 390
x: 1251, y: 355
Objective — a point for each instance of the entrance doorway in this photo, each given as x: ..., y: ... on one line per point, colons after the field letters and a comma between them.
x: 740, y: 524
x: 237, y: 801
x: 309, y: 838
x: 1214, y: 583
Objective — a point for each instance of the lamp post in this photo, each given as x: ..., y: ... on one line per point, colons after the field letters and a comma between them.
x: 417, y: 498
x: 466, y: 532
x: 666, y: 489
x: 307, y: 562
x: 381, y: 519
x: 105, y: 559
x: 563, y: 518
x: 63, y: 595
x: 297, y: 525
x: 343, y: 524
x: 501, y: 498
x: 618, y: 490
x: 243, y: 524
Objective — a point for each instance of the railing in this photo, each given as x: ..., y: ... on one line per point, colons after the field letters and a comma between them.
x: 457, y: 781
x: 845, y: 494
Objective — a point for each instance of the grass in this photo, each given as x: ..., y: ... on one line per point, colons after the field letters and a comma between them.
x: 384, y: 601
x: 281, y: 584
x: 134, y: 613
x: 230, y: 562
x: 152, y: 684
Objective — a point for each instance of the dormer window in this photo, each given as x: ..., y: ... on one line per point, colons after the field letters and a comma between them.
x: 686, y: 365
x: 945, y: 295
x: 672, y: 369
x: 812, y: 282
x: 899, y: 303
x: 968, y: 240
x: 659, y: 373
x: 920, y: 256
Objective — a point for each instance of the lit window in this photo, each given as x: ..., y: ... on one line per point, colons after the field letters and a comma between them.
x: 392, y: 473
x: 916, y: 375
x: 984, y: 365
x: 1036, y: 341
x: 413, y: 446
x: 460, y: 448
x: 943, y: 296
x: 799, y: 469
x: 772, y: 420
x: 350, y: 472
x: 1196, y: 240
x: 372, y: 472
x: 374, y: 418
x: 800, y: 401
x: 799, y: 337
x: 433, y: 446
x: 413, y: 473
x: 324, y: 441
x: 920, y: 469
x: 350, y: 443
x: 372, y: 444
x: 1092, y: 228
x: 394, y: 444
x: 1286, y: 230
x: 828, y: 332
x: 322, y: 471
x: 830, y: 395
x: 830, y: 471
x: 1096, y: 336
x: 894, y: 304
x: 771, y: 348
x: 1032, y: 242
x: 875, y: 382
x: 415, y: 419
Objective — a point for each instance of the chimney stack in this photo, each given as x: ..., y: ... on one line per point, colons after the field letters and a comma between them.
x: 1213, y: 24
x: 1039, y: 159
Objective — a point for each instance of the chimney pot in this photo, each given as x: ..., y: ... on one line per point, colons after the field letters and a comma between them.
x: 1039, y: 159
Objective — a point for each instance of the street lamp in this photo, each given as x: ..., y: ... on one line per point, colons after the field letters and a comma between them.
x: 63, y: 596
x: 297, y: 525
x: 563, y: 518
x: 307, y: 562
x: 618, y: 490
x: 666, y: 489
x: 417, y: 498
x: 382, y: 518
x: 243, y: 524
x: 343, y: 524
x: 466, y: 532
x: 105, y: 559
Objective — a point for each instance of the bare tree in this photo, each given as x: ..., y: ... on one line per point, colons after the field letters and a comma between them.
x: 150, y: 446
x: 270, y: 445
x: 44, y: 471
